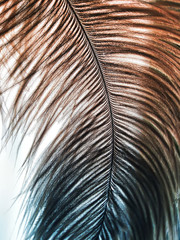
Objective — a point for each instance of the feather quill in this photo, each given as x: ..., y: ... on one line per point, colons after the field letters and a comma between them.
x: 109, y: 70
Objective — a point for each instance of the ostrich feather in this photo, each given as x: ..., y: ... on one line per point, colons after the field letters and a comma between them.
x: 108, y: 71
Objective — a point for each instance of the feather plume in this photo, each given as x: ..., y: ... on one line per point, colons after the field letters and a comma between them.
x: 108, y: 71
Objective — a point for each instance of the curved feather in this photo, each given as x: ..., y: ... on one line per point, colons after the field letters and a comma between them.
x: 109, y: 70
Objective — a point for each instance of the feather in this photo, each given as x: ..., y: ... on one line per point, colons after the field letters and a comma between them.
x: 108, y: 71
